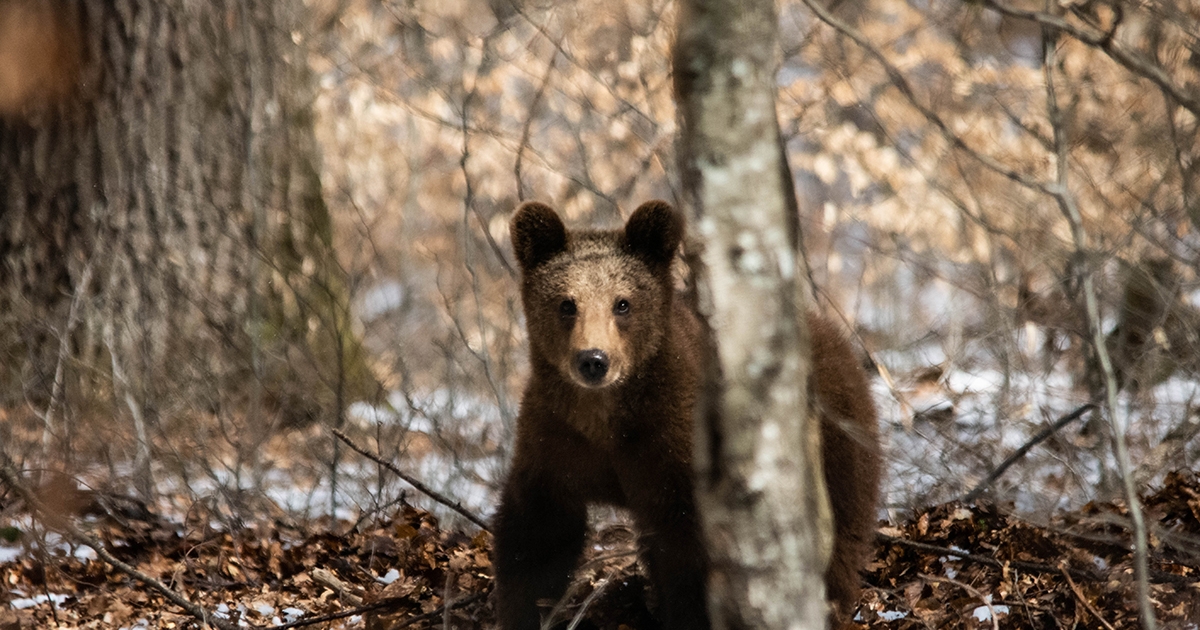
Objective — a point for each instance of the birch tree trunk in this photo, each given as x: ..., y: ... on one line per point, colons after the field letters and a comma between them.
x: 164, y: 243
x: 760, y: 489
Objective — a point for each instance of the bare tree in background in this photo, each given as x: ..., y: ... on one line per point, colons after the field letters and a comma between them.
x: 760, y: 489
x: 165, y: 244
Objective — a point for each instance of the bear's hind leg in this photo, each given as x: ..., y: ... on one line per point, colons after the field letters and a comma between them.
x: 537, y: 544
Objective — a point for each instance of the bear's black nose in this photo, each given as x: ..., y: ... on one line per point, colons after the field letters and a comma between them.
x: 592, y: 365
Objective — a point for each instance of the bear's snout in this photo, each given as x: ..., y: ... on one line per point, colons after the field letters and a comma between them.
x: 592, y: 365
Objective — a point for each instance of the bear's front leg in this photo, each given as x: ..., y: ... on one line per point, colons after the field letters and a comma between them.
x: 538, y: 539
x: 662, y: 501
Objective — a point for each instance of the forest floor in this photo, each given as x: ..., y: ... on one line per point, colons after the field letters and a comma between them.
x: 949, y: 566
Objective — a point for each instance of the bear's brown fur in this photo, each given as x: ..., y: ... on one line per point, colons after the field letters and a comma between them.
x: 607, y: 418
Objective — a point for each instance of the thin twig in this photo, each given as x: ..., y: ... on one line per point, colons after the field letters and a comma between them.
x: 1083, y: 600
x: 414, y: 482
x: 433, y: 614
x: 1014, y: 581
x: 527, y: 128
x: 450, y: 575
x: 1020, y: 452
x: 1070, y: 209
x: 394, y: 602
x: 471, y: 207
x: 587, y: 601
x: 974, y: 592
x: 12, y: 478
x: 551, y: 619
x: 64, y: 350
x: 143, y: 474
x: 342, y: 614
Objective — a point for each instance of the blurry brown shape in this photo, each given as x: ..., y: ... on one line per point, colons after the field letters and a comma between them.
x: 1156, y: 331
x: 39, y: 55
x: 62, y: 498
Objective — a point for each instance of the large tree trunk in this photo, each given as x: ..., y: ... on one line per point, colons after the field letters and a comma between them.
x: 163, y: 239
x: 760, y: 489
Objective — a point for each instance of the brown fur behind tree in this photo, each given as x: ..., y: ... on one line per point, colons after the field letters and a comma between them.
x: 850, y: 452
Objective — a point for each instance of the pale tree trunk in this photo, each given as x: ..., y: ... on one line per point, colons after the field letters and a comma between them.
x: 760, y: 489
x: 164, y: 244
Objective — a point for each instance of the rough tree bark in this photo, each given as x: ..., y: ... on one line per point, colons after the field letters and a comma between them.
x: 760, y: 490
x: 164, y: 245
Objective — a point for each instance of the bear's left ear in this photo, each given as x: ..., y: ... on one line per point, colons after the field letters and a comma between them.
x: 537, y: 234
x: 653, y: 233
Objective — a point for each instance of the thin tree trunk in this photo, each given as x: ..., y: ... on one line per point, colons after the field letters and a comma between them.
x: 760, y: 489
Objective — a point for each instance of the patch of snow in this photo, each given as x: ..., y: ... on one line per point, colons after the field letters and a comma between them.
x: 30, y: 602
x: 391, y: 576
x: 10, y: 554
x: 983, y: 613
x: 950, y: 571
x: 891, y: 615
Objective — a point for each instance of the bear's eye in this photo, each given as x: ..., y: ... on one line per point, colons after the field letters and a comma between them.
x: 567, y: 308
x: 621, y: 307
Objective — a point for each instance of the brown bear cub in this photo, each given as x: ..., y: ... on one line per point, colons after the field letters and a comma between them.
x: 607, y: 418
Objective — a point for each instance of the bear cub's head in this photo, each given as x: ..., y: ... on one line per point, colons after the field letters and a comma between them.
x: 597, y: 302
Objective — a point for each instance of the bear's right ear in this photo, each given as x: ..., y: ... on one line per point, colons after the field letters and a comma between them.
x: 537, y: 234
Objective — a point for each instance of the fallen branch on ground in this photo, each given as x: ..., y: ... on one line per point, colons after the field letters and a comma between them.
x: 383, y: 605
x: 971, y: 557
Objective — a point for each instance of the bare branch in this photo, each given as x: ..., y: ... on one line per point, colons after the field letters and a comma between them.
x: 414, y: 482
x: 1070, y: 210
x: 898, y: 79
x: 1104, y: 40
x: 1020, y: 452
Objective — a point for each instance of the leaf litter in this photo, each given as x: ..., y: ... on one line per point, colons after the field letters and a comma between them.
x: 950, y: 566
